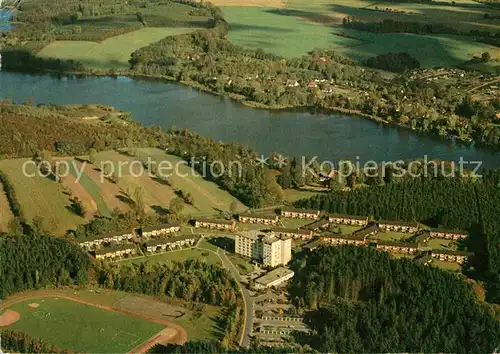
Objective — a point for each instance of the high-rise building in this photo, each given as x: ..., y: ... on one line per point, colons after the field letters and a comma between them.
x: 270, y: 249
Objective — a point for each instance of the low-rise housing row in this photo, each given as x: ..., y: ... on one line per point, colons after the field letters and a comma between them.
x: 159, y: 230
x: 399, y: 226
x: 351, y: 239
x: 295, y: 213
x: 397, y: 247
x: 348, y: 219
x: 113, y: 252
x: 269, y: 219
x: 293, y: 233
x: 97, y: 241
x: 216, y: 224
x: 451, y: 256
x: 170, y: 243
x: 448, y: 234
x: 317, y: 225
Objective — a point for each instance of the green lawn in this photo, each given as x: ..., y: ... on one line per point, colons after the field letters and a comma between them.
x: 391, y: 236
x: 243, y: 265
x: 295, y: 223
x: 177, y: 256
x: 112, y: 53
x: 446, y: 265
x: 82, y: 328
x: 440, y: 244
x: 41, y: 197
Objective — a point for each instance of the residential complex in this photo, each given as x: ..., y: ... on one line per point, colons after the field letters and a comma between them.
x: 98, y: 241
x: 451, y: 256
x: 300, y: 213
x: 397, y: 247
x: 112, y: 252
x: 348, y: 219
x: 293, y: 233
x: 170, y: 243
x: 398, y: 226
x: 215, y: 224
x: 317, y: 225
x: 448, y: 234
x: 160, y: 230
x: 270, y: 219
x: 270, y: 249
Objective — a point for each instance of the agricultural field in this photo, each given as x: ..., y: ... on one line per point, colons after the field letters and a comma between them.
x: 81, y: 327
x: 5, y: 212
x: 303, y: 25
x: 176, y: 256
x: 112, y: 53
x: 208, y: 197
x: 41, y: 197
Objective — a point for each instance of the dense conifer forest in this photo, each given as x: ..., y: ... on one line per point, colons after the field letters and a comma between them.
x: 19, y: 342
x: 33, y: 262
x: 362, y: 300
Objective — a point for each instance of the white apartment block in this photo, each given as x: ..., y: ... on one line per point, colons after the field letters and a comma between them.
x: 269, y: 249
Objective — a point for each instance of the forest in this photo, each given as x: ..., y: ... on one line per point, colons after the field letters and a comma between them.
x: 24, y: 263
x: 19, y: 342
x: 396, y: 62
x: 362, y: 300
x: 457, y: 203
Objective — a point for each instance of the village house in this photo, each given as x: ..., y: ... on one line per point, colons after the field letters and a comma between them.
x: 269, y: 219
x: 98, y: 241
x: 448, y: 234
x: 293, y: 233
x: 229, y: 225
x: 164, y: 229
x: 317, y: 225
x: 348, y: 219
x: 300, y: 213
x: 398, y: 226
x: 451, y: 256
x: 113, y: 252
x: 170, y: 243
x: 397, y: 247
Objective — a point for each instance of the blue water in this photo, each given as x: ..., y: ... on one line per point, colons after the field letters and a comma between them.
x: 5, y: 17
x: 330, y: 137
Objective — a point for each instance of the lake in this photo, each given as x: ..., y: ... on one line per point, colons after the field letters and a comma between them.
x: 328, y: 136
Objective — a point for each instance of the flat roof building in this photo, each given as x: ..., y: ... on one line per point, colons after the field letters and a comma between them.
x: 273, y: 278
x: 266, y: 219
x: 270, y: 249
x: 159, y: 230
x: 300, y: 213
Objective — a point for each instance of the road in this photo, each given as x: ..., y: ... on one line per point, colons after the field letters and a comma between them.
x: 248, y: 322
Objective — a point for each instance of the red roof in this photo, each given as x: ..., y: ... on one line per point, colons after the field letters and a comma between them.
x: 498, y: 115
x: 311, y: 84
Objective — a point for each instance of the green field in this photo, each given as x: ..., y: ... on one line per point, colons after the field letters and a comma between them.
x: 177, y: 256
x: 41, y: 197
x: 391, y: 236
x: 208, y: 197
x: 82, y: 328
x: 243, y: 265
x: 441, y: 244
x: 294, y: 223
x: 304, y: 25
x: 112, y: 53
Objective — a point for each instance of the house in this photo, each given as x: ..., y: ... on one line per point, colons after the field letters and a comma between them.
x: 293, y: 233
x: 216, y: 224
x: 97, y: 241
x: 292, y: 83
x: 348, y: 219
x: 159, y: 230
x: 317, y: 225
x: 448, y: 234
x: 269, y: 219
x: 113, y: 252
x: 451, y: 256
x: 398, y: 226
x: 397, y: 247
x: 312, y: 84
x: 274, y: 277
x: 300, y: 213
x: 170, y: 243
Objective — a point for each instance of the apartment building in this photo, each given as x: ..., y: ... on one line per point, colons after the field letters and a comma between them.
x: 398, y: 226
x: 170, y: 243
x: 112, y: 252
x: 448, y: 234
x: 348, y: 219
x: 293, y: 233
x: 300, y: 213
x: 270, y: 249
x: 214, y: 224
x: 273, y: 278
x: 258, y: 219
x: 98, y: 241
x: 451, y: 256
x: 159, y: 230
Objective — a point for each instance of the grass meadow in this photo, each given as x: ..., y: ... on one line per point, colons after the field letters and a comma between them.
x: 176, y: 256
x: 303, y: 25
x: 82, y: 328
x: 41, y: 197
x: 112, y: 53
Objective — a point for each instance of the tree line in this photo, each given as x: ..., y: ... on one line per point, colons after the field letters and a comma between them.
x: 19, y: 342
x: 362, y: 300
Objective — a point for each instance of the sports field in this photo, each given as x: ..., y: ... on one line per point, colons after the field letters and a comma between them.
x: 41, y: 197
x: 80, y: 327
x: 5, y: 212
x: 112, y: 53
